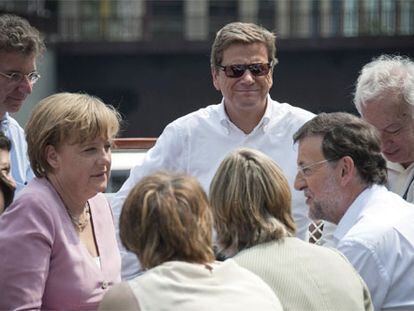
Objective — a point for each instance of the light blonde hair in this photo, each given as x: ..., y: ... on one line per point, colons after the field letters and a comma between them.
x: 251, y: 201
x: 242, y: 33
x: 167, y: 217
x: 67, y: 118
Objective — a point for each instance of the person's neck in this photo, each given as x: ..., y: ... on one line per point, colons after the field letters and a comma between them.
x: 352, y: 193
x: 245, y: 120
x: 74, y: 205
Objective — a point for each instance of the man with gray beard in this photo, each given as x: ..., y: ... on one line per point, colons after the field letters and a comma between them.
x: 342, y: 174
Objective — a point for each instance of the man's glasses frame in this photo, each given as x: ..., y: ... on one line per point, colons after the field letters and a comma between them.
x: 306, y: 170
x: 238, y: 70
x: 17, y: 77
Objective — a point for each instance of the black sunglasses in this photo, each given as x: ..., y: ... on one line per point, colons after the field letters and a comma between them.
x: 236, y: 71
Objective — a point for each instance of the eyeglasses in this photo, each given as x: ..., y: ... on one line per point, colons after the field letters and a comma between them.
x: 17, y: 77
x: 307, y: 169
x: 236, y: 71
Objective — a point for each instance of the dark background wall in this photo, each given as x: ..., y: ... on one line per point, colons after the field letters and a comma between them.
x: 150, y: 58
x: 152, y: 90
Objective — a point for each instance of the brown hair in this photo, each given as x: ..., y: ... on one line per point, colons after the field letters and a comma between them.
x: 242, y: 33
x: 344, y: 134
x: 166, y: 217
x: 17, y: 35
x: 67, y: 117
x: 251, y: 201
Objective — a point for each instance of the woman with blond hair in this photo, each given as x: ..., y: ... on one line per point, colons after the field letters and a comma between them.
x: 166, y: 221
x: 251, y: 203
x: 57, y: 240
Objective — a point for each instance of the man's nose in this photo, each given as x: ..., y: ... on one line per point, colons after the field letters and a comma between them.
x: 300, y: 182
x: 26, y: 86
x: 248, y: 77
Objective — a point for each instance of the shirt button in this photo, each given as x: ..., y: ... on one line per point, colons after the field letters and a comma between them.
x: 104, y: 285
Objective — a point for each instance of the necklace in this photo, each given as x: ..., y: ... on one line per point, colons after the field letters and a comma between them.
x: 82, y: 220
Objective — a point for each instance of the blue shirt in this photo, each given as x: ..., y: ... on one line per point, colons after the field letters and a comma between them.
x: 20, y: 165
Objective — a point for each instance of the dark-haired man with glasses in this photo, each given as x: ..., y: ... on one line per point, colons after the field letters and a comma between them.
x: 20, y: 45
x: 242, y: 63
x: 342, y: 174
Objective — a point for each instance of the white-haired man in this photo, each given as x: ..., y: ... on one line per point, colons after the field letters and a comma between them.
x: 384, y: 97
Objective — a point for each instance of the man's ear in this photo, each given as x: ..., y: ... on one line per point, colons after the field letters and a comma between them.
x: 214, y: 76
x: 52, y: 157
x: 347, y: 170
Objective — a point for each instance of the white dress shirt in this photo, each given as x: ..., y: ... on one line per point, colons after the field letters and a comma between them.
x: 196, y: 144
x: 401, y: 180
x: 376, y: 234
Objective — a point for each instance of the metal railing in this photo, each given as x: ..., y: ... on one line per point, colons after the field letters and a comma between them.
x: 198, y: 20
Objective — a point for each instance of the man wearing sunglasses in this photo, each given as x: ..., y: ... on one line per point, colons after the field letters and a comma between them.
x: 242, y: 63
x: 342, y: 174
x: 20, y: 45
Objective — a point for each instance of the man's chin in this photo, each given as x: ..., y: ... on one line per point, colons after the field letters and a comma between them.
x: 395, y: 158
x: 314, y: 214
x: 15, y: 107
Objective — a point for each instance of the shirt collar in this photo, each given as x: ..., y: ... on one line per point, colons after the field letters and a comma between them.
x: 397, y: 167
x: 224, y: 119
x: 267, y: 115
x: 354, y: 212
x: 226, y: 122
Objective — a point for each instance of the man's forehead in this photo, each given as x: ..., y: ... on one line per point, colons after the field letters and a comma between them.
x: 309, y: 147
x: 386, y: 111
x: 10, y: 60
x: 238, y: 52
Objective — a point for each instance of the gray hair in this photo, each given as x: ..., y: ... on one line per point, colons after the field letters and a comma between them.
x: 17, y: 35
x: 384, y: 75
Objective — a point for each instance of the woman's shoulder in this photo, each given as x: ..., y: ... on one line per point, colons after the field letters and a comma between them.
x: 33, y: 208
x: 38, y: 193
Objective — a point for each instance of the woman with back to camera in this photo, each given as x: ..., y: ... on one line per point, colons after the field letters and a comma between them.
x: 251, y: 203
x: 166, y: 221
x: 57, y: 239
